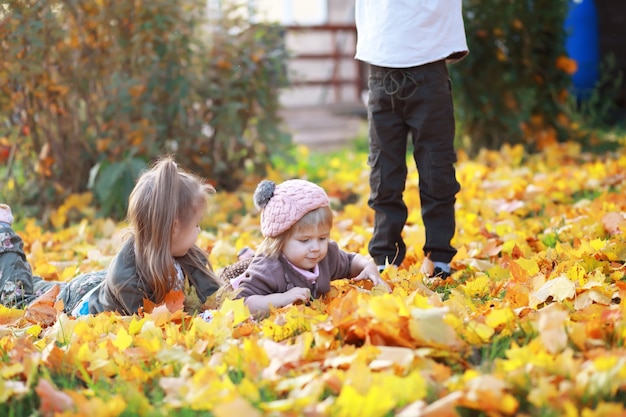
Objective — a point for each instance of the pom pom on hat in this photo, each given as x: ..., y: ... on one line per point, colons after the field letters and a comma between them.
x: 285, y: 204
x: 264, y: 191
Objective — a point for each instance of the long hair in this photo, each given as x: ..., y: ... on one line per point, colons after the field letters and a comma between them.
x: 162, y: 195
x: 272, y: 247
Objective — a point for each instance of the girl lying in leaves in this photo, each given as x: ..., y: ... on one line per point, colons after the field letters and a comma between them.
x: 296, y: 261
x: 158, y: 256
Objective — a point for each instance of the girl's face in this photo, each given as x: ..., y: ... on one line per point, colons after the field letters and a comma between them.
x: 305, y: 248
x: 184, y: 237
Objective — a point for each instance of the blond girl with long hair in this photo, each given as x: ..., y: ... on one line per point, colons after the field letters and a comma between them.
x: 159, y: 253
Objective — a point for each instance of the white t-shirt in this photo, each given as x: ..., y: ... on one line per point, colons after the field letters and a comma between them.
x: 407, y: 33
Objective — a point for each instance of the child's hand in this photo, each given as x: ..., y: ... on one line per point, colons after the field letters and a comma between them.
x: 297, y: 294
x: 261, y: 304
x: 370, y: 271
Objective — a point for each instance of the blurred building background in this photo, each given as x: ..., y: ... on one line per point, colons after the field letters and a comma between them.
x: 324, y: 106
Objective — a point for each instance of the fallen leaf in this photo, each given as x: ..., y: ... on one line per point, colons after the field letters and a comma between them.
x: 10, y: 315
x: 551, y: 327
x: 613, y: 222
x: 559, y: 288
x: 443, y: 407
x: 44, y: 309
x: 236, y: 407
x: 175, y: 301
x: 52, y: 401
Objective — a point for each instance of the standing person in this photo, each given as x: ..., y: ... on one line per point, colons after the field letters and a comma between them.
x: 297, y: 260
x: 158, y: 256
x: 407, y: 44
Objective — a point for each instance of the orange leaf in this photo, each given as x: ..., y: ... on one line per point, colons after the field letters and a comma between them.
x: 49, y: 297
x: 52, y: 400
x: 55, y: 359
x: 43, y: 310
x: 175, y: 301
x: 244, y: 329
x: 567, y: 64
x: 148, y: 306
x: 518, y: 273
x: 41, y: 314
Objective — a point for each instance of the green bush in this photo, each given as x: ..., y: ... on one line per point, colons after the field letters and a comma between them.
x: 92, y: 91
x: 513, y: 86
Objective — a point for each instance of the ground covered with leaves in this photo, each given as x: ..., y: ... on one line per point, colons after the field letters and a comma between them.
x: 531, y: 322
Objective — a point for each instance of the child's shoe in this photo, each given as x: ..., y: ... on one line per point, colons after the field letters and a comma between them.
x: 5, y: 214
x: 441, y: 273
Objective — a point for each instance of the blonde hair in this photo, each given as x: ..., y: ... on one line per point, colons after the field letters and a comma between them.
x: 272, y: 247
x: 162, y: 195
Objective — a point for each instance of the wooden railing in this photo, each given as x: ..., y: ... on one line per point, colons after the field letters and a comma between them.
x: 339, y: 51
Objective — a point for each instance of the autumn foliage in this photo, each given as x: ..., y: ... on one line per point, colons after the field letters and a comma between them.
x: 531, y: 323
x: 90, y: 92
x: 513, y: 87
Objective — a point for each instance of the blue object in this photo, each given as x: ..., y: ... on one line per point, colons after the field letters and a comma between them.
x: 582, y: 45
x: 84, y: 310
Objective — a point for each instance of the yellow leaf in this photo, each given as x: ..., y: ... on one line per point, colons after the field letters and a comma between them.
x: 69, y: 273
x: 135, y: 326
x: 10, y: 315
x: 34, y: 330
x: 597, y: 244
x: 543, y: 393
x: 605, y: 363
x: 11, y: 370
x: 387, y: 305
x: 123, y: 340
x: 249, y: 390
x: 238, y: 308
x: 577, y: 274
x: 477, y: 333
x: 478, y: 287
x: 528, y: 265
x: 46, y: 271
x: 420, y: 301
x: 376, y: 402
x: 571, y: 409
x: 500, y: 316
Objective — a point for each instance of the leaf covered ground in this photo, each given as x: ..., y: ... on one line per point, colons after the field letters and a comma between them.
x: 531, y: 323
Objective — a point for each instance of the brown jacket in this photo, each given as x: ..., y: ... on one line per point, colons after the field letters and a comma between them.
x: 270, y: 276
x: 123, y: 291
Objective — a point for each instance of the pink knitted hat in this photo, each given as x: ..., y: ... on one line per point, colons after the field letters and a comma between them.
x: 283, y: 205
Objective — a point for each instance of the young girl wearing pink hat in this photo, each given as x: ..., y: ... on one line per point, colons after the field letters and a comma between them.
x: 297, y: 260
